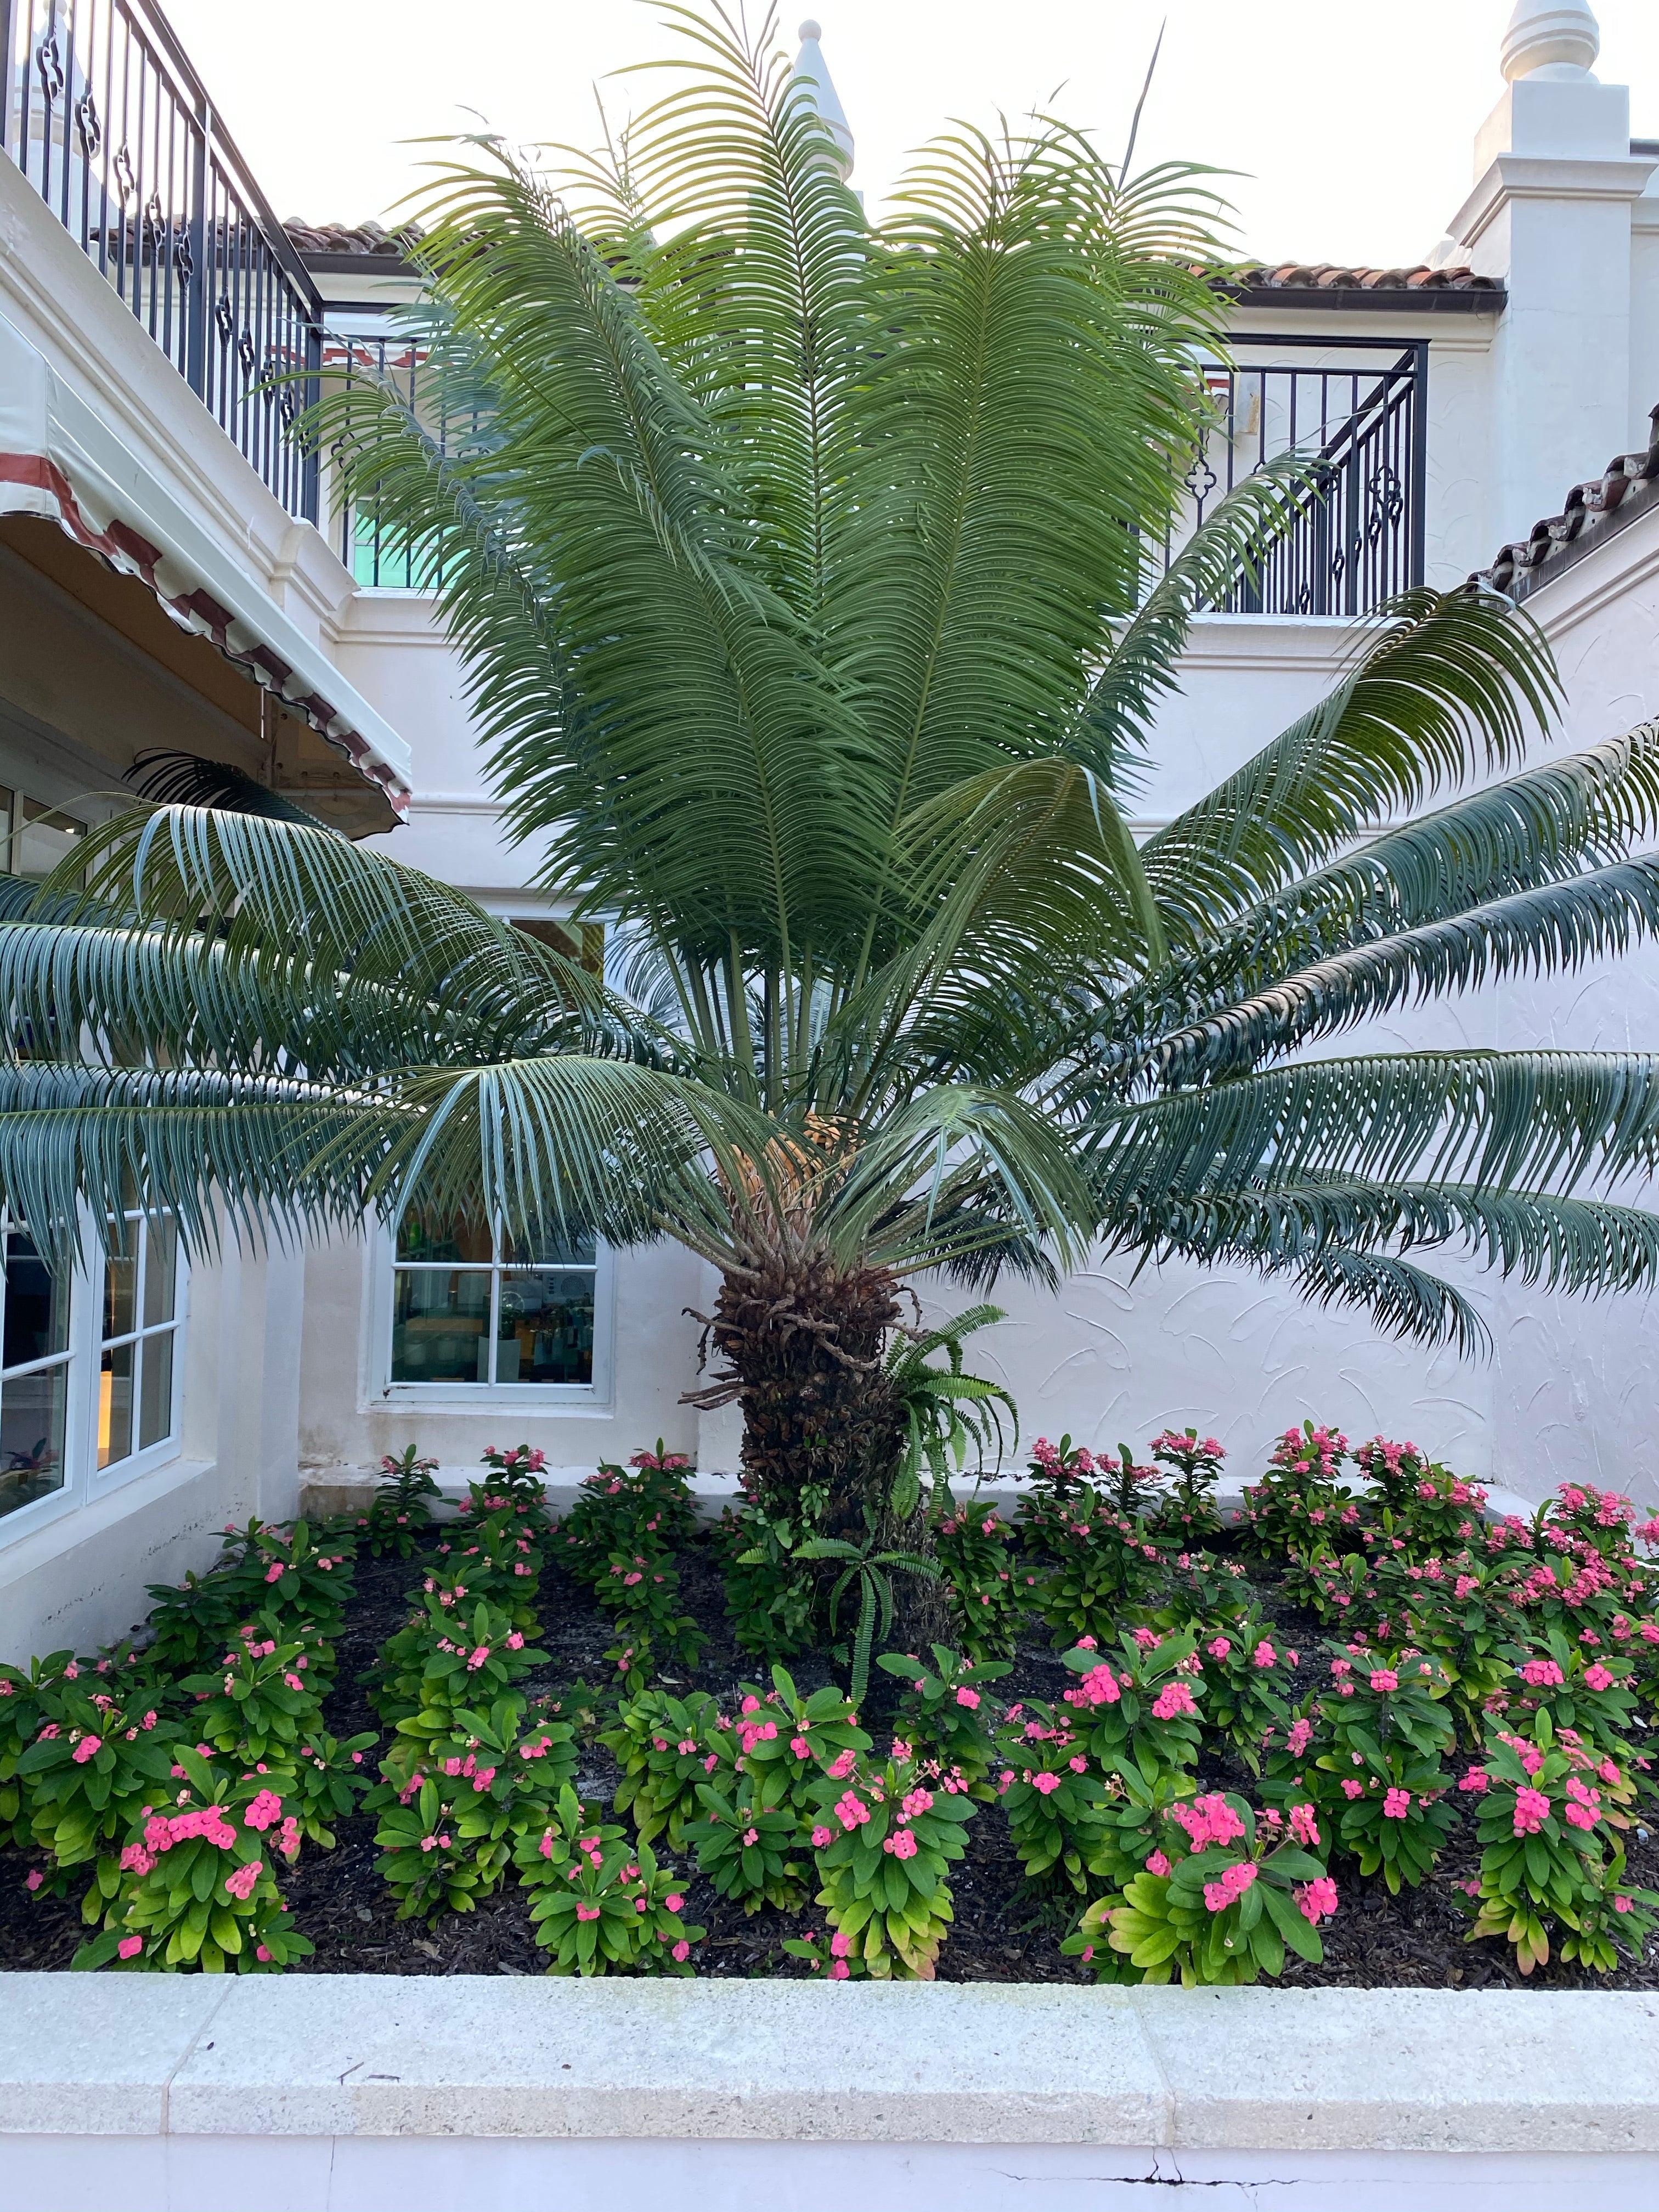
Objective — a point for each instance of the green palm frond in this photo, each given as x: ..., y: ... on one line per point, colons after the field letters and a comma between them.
x: 1445, y: 689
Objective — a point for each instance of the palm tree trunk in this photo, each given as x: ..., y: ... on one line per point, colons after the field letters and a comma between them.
x: 803, y: 1341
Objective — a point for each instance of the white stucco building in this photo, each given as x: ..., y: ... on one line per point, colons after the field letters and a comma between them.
x: 169, y: 579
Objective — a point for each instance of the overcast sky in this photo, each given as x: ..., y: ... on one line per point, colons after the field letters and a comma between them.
x: 1350, y: 121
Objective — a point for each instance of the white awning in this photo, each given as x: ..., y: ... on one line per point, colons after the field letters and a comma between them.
x: 59, y: 460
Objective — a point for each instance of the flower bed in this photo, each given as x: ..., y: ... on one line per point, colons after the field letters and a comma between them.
x: 1363, y: 1738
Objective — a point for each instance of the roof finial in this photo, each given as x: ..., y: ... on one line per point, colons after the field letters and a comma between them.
x: 814, y: 77
x: 1558, y: 38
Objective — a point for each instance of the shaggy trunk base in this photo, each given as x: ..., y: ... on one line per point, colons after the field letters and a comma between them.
x: 805, y: 1348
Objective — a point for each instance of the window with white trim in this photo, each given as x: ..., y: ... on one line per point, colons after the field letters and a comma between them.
x: 36, y: 1373
x: 474, y: 1309
x: 137, y: 1351
x: 90, y: 1386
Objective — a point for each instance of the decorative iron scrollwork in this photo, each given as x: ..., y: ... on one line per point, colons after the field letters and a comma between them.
x: 126, y: 182
x: 49, y: 65
x: 88, y: 125
x: 224, y: 319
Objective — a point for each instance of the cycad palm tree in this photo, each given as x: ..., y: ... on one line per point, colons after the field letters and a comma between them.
x: 797, y: 566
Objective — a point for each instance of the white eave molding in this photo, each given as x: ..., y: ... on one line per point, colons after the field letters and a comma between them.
x: 60, y: 460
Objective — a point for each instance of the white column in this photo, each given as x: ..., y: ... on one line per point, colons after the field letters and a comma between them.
x: 1551, y: 212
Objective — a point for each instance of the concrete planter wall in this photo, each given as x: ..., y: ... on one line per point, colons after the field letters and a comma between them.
x: 353, y: 2093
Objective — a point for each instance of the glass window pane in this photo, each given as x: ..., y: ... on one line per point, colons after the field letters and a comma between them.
x: 115, y: 1404
x: 44, y: 838
x: 424, y: 1238
x: 37, y: 1306
x: 160, y: 1270
x: 440, y: 1325
x: 155, y: 1390
x: 33, y: 1409
x: 120, y: 1280
x: 545, y: 1332
x: 548, y: 1249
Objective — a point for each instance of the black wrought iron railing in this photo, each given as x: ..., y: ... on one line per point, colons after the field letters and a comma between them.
x: 379, y: 558
x: 109, y: 122
x: 1360, y: 414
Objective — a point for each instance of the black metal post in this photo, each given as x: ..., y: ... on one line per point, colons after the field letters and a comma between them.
x: 1417, y: 554
x: 197, y: 287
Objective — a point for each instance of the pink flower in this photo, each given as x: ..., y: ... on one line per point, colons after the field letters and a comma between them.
x: 821, y: 1839
x: 1385, y: 1678
x: 1304, y: 1824
x: 1158, y: 1864
x: 1220, y: 1648
x: 839, y: 1768
x: 587, y: 1912
x: 969, y: 1698
x: 1622, y: 1904
x: 1044, y: 1784
x: 1234, y: 1880
x: 1175, y: 1697
x: 1543, y: 1674
x: 839, y: 1970
x: 1351, y: 1788
x: 674, y: 1901
x: 1264, y: 1656
x: 1531, y: 1811
x: 840, y: 1945
x: 266, y: 1807
x: 798, y: 1744
x: 1397, y: 1804
x: 33, y: 1879
x: 1477, y: 1780
x: 902, y: 1845
x: 1299, y: 1737
x: 1596, y: 1677
x: 851, y: 1811
x: 1580, y: 1816
x: 1207, y: 1821
x: 131, y: 1946
x: 88, y: 1747
x: 242, y: 1883
x: 515, y: 1642
x: 1316, y: 1899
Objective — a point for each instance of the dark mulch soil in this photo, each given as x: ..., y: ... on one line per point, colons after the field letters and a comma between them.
x: 1000, y: 1934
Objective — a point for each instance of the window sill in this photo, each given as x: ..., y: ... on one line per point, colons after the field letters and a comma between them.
x: 544, y: 1399
x: 83, y: 1516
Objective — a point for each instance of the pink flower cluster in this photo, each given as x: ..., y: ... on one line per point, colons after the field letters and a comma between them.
x: 1174, y: 1699
x: 1208, y: 1820
x: 1099, y: 1686
x: 1234, y: 1880
x: 1316, y: 1899
x: 1532, y: 1809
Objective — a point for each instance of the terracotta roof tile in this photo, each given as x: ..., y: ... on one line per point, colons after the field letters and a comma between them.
x: 1596, y: 509
x: 1330, y: 276
x: 368, y: 240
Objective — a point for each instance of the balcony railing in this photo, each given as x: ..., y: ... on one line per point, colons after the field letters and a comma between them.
x: 106, y: 118
x: 1360, y: 414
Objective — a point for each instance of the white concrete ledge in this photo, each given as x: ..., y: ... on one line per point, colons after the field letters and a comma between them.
x: 340, y: 2056
x: 358, y: 2093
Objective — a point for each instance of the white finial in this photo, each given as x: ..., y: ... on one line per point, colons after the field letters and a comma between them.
x: 1558, y: 38
x: 814, y: 80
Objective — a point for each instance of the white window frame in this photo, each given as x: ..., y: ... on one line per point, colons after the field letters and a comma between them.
x: 84, y: 1481
x: 169, y: 1447
x: 491, y: 1398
